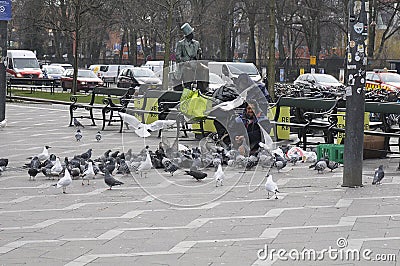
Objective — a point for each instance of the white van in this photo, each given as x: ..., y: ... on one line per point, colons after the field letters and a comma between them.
x: 230, y: 71
x: 109, y: 73
x: 23, y: 64
x: 156, y: 67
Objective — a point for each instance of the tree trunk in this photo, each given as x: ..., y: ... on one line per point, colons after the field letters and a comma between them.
x: 271, y: 49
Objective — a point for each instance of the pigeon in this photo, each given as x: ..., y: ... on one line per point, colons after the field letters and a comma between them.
x: 169, y: 166
x: 3, y: 162
x: 3, y: 123
x: 64, y: 182
x: 78, y: 135
x: 98, y: 136
x: 197, y: 174
x: 320, y: 166
x: 77, y: 123
x: 86, y: 155
x: 123, y: 167
x: 110, y: 180
x: 271, y: 186
x: 279, y: 162
x: 219, y: 176
x: 45, y: 154
x: 88, y: 173
x: 33, y: 173
x: 378, y: 176
x: 332, y: 165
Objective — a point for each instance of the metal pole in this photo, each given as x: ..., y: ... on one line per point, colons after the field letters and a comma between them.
x: 355, y: 94
x: 3, y: 82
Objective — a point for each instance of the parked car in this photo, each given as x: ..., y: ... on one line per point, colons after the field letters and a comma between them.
x: 137, y: 76
x: 53, y: 72
x: 86, y: 80
x: 383, y: 79
x: 321, y: 82
x: 229, y: 71
x: 109, y: 73
x: 215, y: 82
x: 63, y: 65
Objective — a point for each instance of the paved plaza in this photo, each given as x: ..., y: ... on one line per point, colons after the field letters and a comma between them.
x: 175, y: 220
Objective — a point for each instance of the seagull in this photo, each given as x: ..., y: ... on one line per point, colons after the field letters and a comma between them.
x: 197, y: 174
x: 110, y: 180
x: 88, y: 173
x: 98, y: 136
x: 146, y: 165
x: 271, y: 186
x: 77, y: 123
x: 45, y: 154
x: 65, y: 181
x: 219, y: 176
x: 3, y: 123
x: 57, y: 168
x: 78, y: 135
x: 378, y: 176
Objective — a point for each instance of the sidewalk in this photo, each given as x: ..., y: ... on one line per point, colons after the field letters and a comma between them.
x: 174, y: 220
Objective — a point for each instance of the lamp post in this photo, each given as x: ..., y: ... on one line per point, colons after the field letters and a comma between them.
x: 355, y: 94
x: 5, y: 16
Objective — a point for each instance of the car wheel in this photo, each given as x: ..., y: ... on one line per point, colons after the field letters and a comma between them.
x: 63, y: 86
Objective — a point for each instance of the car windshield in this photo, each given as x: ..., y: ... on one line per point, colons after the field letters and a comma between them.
x: 238, y: 68
x: 215, y: 79
x: 86, y: 74
x: 25, y: 63
x: 54, y: 70
x: 143, y: 72
x: 390, y: 77
x: 325, y: 79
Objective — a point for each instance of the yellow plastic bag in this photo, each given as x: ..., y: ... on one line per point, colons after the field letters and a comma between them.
x: 194, y: 106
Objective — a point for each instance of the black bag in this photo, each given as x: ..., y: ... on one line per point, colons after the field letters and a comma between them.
x: 226, y: 93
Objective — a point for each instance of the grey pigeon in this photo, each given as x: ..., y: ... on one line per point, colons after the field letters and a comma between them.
x: 320, y: 166
x: 332, y: 165
x: 378, y: 176
x: 3, y: 162
x: 197, y: 174
x: 280, y: 162
x: 78, y: 135
x: 98, y: 136
x: 77, y: 123
x: 169, y: 166
x: 110, y: 180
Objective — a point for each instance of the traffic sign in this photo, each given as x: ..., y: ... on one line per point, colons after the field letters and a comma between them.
x: 5, y: 9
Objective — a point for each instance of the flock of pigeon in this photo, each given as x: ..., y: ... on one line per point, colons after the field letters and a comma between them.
x: 171, y: 158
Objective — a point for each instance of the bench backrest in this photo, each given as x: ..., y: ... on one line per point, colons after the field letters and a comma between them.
x: 112, y: 91
x: 307, y: 104
x: 31, y: 81
x: 384, y: 108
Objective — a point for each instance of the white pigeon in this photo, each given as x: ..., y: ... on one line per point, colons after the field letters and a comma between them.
x: 271, y: 186
x: 44, y: 155
x: 219, y: 176
x: 3, y: 123
x: 57, y: 168
x: 65, y: 181
x: 145, y: 166
x: 88, y: 173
